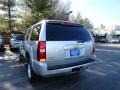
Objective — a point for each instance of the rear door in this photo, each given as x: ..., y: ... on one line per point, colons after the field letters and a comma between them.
x: 34, y: 37
x: 26, y: 42
x: 66, y: 44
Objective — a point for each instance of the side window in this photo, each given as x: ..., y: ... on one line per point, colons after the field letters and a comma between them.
x: 35, y: 33
x: 27, y: 35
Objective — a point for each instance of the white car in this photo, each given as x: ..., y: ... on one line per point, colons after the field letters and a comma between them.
x: 115, y: 40
x: 15, y: 41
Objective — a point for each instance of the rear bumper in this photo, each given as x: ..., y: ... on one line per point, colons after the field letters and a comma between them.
x: 70, y: 64
x: 42, y: 69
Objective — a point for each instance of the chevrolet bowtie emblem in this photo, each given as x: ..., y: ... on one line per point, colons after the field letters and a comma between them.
x: 77, y: 46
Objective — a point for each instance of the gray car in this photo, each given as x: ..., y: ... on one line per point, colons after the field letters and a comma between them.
x: 57, y: 47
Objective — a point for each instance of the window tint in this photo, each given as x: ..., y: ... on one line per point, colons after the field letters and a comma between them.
x: 35, y: 33
x: 19, y: 37
x: 60, y: 32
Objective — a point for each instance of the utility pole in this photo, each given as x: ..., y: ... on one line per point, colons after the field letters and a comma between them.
x: 68, y: 13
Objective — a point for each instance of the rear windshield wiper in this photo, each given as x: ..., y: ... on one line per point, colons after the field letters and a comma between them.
x: 82, y: 41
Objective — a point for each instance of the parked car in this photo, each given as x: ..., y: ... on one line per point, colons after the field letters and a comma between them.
x: 1, y: 42
x: 57, y: 47
x: 115, y: 40
x: 15, y: 41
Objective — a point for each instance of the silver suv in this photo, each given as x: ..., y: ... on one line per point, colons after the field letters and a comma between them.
x: 57, y: 47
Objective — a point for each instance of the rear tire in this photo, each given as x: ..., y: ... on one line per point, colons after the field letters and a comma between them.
x: 30, y: 73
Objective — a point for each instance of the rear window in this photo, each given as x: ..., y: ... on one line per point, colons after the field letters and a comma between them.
x: 60, y: 32
x: 19, y: 37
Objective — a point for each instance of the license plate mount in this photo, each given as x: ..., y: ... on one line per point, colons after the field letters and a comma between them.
x: 74, y: 52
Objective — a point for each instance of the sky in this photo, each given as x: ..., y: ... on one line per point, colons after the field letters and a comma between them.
x: 105, y: 12
x: 99, y: 12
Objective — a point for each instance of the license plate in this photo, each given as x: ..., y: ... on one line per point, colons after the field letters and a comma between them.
x: 74, y: 52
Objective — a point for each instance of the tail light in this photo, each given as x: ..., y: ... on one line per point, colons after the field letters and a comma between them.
x: 41, y: 51
x: 93, y: 52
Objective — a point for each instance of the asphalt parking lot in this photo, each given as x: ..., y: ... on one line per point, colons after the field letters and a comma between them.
x: 104, y: 74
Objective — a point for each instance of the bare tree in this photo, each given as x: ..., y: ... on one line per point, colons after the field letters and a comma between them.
x: 83, y: 21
